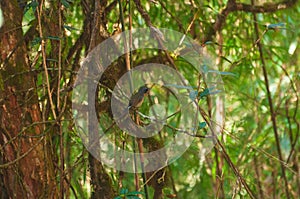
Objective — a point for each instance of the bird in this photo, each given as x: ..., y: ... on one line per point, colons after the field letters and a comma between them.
x: 137, y: 99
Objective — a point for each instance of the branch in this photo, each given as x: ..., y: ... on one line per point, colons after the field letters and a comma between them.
x: 144, y: 14
x: 232, y: 6
x: 271, y: 106
x: 265, y: 8
x: 156, y: 32
x: 21, y: 156
x: 235, y: 170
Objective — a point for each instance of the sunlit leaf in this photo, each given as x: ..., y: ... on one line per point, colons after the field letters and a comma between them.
x: 35, y: 41
x: 1, y: 18
x: 53, y: 38
x: 205, y: 68
x: 54, y: 60
x: 65, y: 3
x: 33, y: 5
x: 204, y: 93
x: 276, y: 26
x: 193, y: 94
x: 202, y: 125
x: 178, y: 86
x: 123, y: 191
x: 70, y: 28
x: 135, y: 193
x: 209, y: 42
x: 222, y: 73
x: 226, y: 59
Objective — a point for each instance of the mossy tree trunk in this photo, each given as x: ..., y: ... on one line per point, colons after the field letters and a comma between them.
x: 23, y: 161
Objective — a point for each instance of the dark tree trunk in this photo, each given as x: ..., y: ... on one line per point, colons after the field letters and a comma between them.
x: 23, y: 169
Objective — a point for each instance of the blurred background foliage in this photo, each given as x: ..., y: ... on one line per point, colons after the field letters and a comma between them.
x: 248, y: 134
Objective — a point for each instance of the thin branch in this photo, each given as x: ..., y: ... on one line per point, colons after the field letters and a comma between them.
x: 61, y: 135
x: 155, y: 31
x: 272, y: 112
x: 265, y: 8
x: 257, y: 173
x: 172, y: 16
x: 233, y: 6
x: 21, y: 156
x: 235, y: 170
x: 111, y: 6
x: 43, y: 47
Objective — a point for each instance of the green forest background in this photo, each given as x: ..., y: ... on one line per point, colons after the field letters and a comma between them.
x: 254, y: 45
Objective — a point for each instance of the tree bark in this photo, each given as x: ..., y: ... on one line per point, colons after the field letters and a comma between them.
x: 22, y: 159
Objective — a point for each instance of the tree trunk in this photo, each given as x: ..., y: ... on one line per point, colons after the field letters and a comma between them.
x: 22, y: 159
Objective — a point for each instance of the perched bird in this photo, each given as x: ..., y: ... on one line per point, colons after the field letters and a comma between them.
x: 137, y: 99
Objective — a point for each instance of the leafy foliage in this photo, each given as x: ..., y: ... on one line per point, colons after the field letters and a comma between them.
x: 264, y: 153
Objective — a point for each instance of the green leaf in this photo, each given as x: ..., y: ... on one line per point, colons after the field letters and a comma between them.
x: 135, y: 193
x: 123, y: 191
x: 193, y: 94
x: 209, y: 91
x: 70, y: 28
x: 205, y: 68
x: 204, y: 93
x: 36, y: 41
x: 228, y: 73
x: 133, y: 197
x: 275, y: 26
x: 78, y: 187
x: 65, y: 3
x: 54, y: 60
x: 202, y: 125
x: 222, y: 73
x: 84, y: 173
x: 178, y: 86
x: 1, y: 18
x: 214, y: 92
x: 53, y: 38
x: 33, y: 5
x: 226, y: 59
x: 209, y: 42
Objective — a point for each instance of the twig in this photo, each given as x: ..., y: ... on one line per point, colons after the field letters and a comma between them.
x: 140, y: 147
x: 147, y: 19
x: 233, y: 6
x: 21, y: 156
x: 61, y: 135
x: 170, y: 13
x: 273, y: 114
x: 261, y: 194
x: 39, y: 14
x: 235, y: 170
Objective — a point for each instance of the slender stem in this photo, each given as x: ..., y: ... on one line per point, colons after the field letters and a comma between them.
x: 39, y: 14
x: 272, y: 112
x: 136, y: 176
x: 141, y: 152
x: 61, y: 135
x: 261, y: 194
x: 235, y: 170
